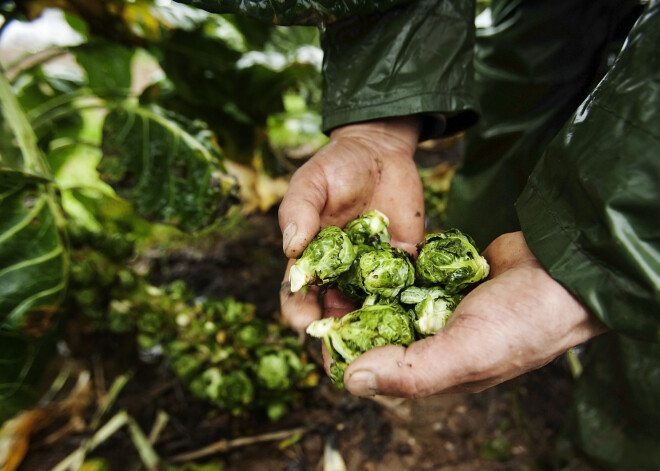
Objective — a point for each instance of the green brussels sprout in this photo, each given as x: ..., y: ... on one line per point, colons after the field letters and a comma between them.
x: 233, y: 311
x: 232, y: 390
x: 417, y: 294
x: 251, y: 335
x: 328, y: 255
x: 119, y: 318
x: 349, y: 336
x: 187, y: 365
x: 432, y: 313
x: 450, y: 259
x: 276, y: 410
x: 369, y: 229
x: 275, y: 371
x: 349, y: 282
x: 385, y: 272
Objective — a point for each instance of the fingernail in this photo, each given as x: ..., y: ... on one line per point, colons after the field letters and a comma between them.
x: 287, y: 235
x: 363, y: 383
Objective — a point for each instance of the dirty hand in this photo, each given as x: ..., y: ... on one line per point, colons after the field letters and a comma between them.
x: 517, y: 321
x: 364, y: 166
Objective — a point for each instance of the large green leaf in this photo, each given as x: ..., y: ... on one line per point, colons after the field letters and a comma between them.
x: 33, y: 264
x: 32, y: 260
x: 23, y: 360
x: 168, y: 167
x: 107, y: 65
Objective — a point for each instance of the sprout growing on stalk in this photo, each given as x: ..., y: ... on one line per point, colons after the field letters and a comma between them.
x: 450, y: 259
x: 349, y: 336
x: 327, y: 256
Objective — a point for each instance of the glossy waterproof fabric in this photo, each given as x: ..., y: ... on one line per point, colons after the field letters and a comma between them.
x: 591, y: 214
x: 533, y: 66
x: 413, y: 59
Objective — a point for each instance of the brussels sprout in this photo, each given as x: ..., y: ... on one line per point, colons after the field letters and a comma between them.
x: 251, y: 335
x: 275, y: 370
x: 187, y: 365
x: 450, y: 259
x: 369, y: 229
x: 385, y: 272
x: 432, y: 313
x: 349, y: 336
x: 417, y: 294
x: 232, y: 389
x: 349, y: 283
x: 328, y: 255
x: 432, y: 307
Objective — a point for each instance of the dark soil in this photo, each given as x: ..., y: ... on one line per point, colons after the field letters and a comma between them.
x: 509, y: 427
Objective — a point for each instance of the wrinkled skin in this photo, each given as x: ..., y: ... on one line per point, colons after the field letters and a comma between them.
x: 364, y: 166
x: 517, y: 321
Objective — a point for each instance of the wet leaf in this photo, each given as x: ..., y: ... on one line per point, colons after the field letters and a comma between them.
x: 32, y: 259
x: 167, y: 167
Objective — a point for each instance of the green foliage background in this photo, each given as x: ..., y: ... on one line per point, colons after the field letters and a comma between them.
x: 98, y: 134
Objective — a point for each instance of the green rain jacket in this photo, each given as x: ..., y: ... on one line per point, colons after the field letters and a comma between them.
x: 566, y: 148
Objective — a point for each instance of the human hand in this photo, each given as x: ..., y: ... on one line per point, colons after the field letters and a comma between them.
x: 518, y: 320
x: 364, y: 166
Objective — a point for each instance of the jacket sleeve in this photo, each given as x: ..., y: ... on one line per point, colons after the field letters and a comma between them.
x: 591, y: 209
x: 412, y: 59
x: 292, y: 12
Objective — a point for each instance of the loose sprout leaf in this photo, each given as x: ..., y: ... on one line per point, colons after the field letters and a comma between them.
x: 328, y: 255
x: 450, y: 259
x: 417, y: 294
x: 169, y: 167
x: 431, y: 314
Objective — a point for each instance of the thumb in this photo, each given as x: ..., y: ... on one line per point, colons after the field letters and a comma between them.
x: 447, y: 362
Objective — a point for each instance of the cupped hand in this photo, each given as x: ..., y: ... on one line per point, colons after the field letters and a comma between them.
x: 518, y: 320
x: 364, y: 166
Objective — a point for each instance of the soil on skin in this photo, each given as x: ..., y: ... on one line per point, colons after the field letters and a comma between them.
x: 509, y: 427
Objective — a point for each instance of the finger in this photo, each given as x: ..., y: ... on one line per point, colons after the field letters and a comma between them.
x: 507, y: 251
x: 300, y: 209
x: 335, y: 304
x: 301, y: 308
x: 406, y: 211
x: 457, y: 358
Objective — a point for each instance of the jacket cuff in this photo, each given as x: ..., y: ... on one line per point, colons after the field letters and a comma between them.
x: 413, y: 59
